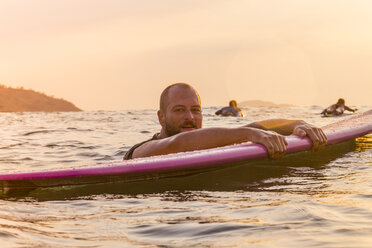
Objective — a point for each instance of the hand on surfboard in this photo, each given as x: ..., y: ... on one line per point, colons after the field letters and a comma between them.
x: 275, y: 143
x: 315, y: 134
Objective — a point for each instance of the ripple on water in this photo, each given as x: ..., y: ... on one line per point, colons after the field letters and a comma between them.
x: 41, y: 132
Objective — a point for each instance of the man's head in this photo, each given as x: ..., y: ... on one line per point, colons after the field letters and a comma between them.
x: 233, y: 103
x: 180, y: 110
x: 341, y: 101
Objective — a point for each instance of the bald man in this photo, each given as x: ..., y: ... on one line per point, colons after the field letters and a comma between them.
x: 180, y: 116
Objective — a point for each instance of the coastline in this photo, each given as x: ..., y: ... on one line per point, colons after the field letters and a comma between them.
x: 22, y: 100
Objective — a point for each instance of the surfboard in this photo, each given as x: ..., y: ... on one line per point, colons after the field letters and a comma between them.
x: 180, y: 164
x: 336, y: 116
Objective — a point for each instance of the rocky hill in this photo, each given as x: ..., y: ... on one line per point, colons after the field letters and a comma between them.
x: 259, y: 103
x: 22, y: 100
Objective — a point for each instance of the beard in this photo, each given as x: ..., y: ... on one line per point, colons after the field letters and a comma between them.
x: 171, y: 130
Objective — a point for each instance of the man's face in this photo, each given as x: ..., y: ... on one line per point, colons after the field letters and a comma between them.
x: 183, y: 111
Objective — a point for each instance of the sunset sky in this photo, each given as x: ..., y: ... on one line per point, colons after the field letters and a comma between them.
x: 120, y: 54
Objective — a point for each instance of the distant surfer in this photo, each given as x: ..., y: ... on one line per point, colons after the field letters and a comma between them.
x: 180, y: 116
x: 337, y: 109
x: 231, y: 110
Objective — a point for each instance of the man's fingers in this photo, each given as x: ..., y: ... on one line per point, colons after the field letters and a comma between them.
x: 282, y: 144
x: 270, y: 148
x: 277, y: 147
x: 314, y: 138
x: 300, y: 132
x: 319, y: 138
x: 316, y: 135
x: 323, y: 138
x: 275, y: 144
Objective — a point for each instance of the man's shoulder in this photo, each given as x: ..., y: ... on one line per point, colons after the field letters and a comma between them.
x: 128, y: 155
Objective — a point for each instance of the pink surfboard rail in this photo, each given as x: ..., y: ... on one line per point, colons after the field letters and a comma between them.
x: 356, y: 126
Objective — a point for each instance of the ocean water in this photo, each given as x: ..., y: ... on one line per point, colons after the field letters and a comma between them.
x: 321, y: 199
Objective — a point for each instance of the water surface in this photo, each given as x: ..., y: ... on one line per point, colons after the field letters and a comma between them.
x: 303, y: 200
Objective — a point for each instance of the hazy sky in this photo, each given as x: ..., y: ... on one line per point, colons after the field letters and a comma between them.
x: 120, y: 54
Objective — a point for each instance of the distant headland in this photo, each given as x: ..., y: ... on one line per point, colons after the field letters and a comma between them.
x: 259, y: 103
x: 22, y: 100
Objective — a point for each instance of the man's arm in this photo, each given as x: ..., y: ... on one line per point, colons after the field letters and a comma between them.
x: 281, y: 126
x: 350, y: 109
x: 213, y: 137
x: 296, y: 127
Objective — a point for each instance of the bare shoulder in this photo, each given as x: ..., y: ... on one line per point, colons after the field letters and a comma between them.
x: 152, y: 148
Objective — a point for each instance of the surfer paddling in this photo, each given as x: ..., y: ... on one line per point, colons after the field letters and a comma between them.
x: 337, y: 109
x: 231, y: 110
x: 180, y: 116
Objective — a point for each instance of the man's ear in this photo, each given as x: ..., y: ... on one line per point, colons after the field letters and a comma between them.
x: 161, y: 118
